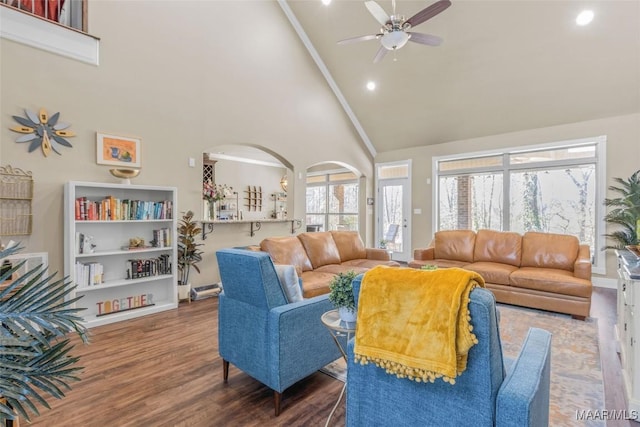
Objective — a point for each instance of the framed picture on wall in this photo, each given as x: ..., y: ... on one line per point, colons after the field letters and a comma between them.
x: 118, y: 150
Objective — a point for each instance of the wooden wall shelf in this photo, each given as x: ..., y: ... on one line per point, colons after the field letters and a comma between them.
x: 253, y: 198
x: 254, y: 225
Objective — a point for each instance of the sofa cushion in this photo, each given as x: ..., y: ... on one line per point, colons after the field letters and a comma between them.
x: 370, y: 263
x: 287, y: 250
x: 350, y: 245
x: 289, y: 282
x: 548, y: 250
x: 315, y: 283
x: 503, y: 247
x: 492, y: 272
x: 340, y: 268
x: 446, y: 263
x: 551, y: 280
x: 320, y: 247
x: 455, y: 245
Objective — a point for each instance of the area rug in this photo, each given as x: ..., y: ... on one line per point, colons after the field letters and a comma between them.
x: 576, y: 374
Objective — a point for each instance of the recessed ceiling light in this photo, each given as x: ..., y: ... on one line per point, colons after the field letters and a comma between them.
x: 584, y: 17
x: 326, y: 2
x: 371, y: 85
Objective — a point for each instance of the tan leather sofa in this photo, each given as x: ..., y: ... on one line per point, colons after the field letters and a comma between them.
x: 539, y: 270
x: 319, y: 256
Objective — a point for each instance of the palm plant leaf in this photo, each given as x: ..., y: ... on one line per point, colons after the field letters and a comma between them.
x: 625, y: 212
x: 36, y: 313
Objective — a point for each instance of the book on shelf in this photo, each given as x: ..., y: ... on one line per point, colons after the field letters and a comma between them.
x: 146, y: 267
x: 110, y: 208
x: 162, y: 238
x: 89, y: 274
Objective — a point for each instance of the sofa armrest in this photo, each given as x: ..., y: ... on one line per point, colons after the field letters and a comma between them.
x: 523, y: 398
x: 292, y: 324
x: 378, y: 254
x: 582, y: 266
x: 424, y: 254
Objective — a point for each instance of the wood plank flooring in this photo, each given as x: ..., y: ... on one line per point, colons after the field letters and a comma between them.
x: 164, y: 370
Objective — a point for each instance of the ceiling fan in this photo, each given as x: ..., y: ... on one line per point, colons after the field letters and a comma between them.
x: 394, y: 32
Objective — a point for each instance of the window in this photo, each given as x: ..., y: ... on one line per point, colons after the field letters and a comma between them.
x: 332, y: 201
x: 552, y: 188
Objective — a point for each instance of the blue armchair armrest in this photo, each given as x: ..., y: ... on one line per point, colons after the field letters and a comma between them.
x: 523, y: 398
x: 292, y: 324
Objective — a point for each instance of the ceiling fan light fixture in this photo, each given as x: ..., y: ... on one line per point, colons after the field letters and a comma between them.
x: 394, y: 40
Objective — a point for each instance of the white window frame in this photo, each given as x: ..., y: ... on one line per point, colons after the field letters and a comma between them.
x: 599, y: 258
x: 326, y: 183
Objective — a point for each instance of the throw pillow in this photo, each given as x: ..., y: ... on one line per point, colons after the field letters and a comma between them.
x: 289, y: 280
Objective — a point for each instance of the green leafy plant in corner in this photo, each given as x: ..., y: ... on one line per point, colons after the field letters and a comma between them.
x: 625, y: 211
x: 189, y: 254
x: 36, y: 314
x: 341, y: 290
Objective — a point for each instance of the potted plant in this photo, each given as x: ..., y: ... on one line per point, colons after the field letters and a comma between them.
x: 188, y: 253
x: 341, y: 295
x: 36, y: 313
x: 625, y: 212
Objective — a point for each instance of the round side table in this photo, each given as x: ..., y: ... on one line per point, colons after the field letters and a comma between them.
x: 338, y: 329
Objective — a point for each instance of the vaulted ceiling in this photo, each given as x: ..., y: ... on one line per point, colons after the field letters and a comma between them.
x: 504, y: 66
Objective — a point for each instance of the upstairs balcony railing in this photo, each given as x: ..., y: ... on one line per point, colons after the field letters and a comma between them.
x: 68, y: 13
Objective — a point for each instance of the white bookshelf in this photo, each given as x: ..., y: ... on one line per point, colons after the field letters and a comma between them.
x: 120, y: 296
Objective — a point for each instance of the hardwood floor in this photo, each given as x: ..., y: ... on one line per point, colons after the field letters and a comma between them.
x: 164, y: 370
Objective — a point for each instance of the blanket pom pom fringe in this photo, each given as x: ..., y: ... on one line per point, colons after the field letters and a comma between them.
x: 402, y: 371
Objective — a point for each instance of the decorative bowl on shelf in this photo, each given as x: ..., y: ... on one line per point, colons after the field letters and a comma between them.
x: 125, y: 174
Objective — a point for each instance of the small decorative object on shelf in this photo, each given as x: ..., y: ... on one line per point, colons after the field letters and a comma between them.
x: 124, y: 304
x: 253, y: 198
x: 216, y: 195
x: 125, y: 174
x: 341, y: 295
x: 42, y: 130
x: 279, y: 206
x: 16, y: 194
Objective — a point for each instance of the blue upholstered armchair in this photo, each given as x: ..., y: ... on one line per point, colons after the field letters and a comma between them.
x: 276, y: 342
x: 485, y: 394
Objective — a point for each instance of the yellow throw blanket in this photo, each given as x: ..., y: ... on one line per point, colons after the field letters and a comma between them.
x: 416, y: 323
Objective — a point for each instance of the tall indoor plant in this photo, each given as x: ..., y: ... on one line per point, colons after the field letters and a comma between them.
x: 625, y: 211
x: 341, y: 295
x: 189, y: 254
x: 36, y: 314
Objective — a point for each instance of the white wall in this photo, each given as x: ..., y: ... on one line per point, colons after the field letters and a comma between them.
x: 184, y: 76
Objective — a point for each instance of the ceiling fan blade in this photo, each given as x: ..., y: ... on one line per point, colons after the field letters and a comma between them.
x: 377, y: 11
x: 380, y: 54
x: 428, y: 12
x: 359, y: 39
x: 424, y: 39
